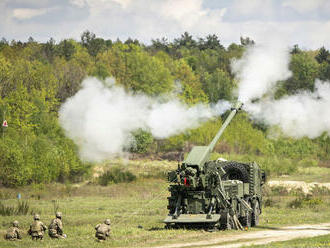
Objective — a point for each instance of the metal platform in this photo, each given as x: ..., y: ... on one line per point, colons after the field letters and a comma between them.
x: 192, y: 218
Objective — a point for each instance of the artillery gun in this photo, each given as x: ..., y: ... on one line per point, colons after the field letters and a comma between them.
x: 214, y: 194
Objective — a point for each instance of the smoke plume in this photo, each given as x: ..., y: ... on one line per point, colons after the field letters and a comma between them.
x: 303, y: 114
x: 100, y: 118
x: 260, y: 68
x: 259, y: 71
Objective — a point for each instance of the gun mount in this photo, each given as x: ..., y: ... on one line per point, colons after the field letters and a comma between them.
x: 209, y: 194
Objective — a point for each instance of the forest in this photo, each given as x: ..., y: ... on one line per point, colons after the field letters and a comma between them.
x: 36, y: 78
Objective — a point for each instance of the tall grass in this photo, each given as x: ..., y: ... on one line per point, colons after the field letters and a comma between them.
x: 22, y: 208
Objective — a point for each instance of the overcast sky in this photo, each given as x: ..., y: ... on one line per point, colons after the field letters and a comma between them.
x: 303, y: 22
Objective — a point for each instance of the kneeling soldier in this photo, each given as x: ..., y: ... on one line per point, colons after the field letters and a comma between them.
x: 13, y: 232
x: 103, y: 230
x: 56, y: 227
x: 37, y: 228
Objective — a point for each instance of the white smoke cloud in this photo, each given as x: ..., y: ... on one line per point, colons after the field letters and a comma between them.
x: 304, y: 114
x: 100, y: 119
x: 261, y: 67
x: 259, y: 71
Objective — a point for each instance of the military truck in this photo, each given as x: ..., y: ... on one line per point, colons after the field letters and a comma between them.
x: 214, y: 194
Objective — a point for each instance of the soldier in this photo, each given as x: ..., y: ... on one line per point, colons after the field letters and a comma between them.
x: 37, y: 228
x: 103, y: 230
x: 13, y: 233
x: 56, y: 227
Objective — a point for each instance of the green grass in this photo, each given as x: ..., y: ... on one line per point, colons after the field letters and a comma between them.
x: 320, y: 241
x: 129, y: 205
x: 309, y: 175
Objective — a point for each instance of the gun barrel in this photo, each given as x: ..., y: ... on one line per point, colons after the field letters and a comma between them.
x: 235, y: 109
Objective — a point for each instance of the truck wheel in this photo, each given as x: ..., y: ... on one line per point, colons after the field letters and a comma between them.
x: 255, y: 214
x: 235, y: 171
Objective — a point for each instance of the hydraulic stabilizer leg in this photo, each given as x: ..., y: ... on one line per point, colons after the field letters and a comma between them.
x: 177, y: 207
x: 208, y: 216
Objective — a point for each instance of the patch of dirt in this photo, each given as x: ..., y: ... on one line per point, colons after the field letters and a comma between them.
x: 300, y: 185
x: 259, y: 237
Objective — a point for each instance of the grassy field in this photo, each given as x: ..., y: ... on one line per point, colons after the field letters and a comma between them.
x: 139, y: 203
x: 309, y: 175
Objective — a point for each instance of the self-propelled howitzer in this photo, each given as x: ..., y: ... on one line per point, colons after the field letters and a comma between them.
x: 209, y: 194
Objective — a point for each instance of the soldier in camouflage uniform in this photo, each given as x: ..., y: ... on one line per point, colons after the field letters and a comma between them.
x: 55, y: 229
x: 103, y: 230
x: 37, y: 228
x: 13, y: 233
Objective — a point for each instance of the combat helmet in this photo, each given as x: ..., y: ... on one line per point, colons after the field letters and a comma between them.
x: 107, y: 222
x: 15, y: 223
x: 36, y: 217
x: 58, y: 215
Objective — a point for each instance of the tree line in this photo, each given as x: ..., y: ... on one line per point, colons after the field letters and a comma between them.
x: 35, y: 78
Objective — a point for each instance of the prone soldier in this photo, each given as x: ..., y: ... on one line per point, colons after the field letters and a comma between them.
x: 13, y: 233
x: 55, y: 229
x: 103, y: 230
x: 37, y: 228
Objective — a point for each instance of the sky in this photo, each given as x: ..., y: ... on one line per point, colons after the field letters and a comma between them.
x: 302, y: 22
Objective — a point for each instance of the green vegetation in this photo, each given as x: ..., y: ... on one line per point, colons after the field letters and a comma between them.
x: 22, y: 208
x: 129, y: 205
x: 116, y: 175
x: 35, y: 78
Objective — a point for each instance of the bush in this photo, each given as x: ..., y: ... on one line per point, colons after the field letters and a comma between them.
x: 318, y: 191
x: 308, y: 162
x: 305, y: 201
x: 269, y: 202
x: 143, y: 140
x: 39, y: 159
x: 116, y: 175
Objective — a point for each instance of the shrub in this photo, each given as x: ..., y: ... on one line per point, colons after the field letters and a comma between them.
x: 116, y: 175
x: 318, y: 191
x: 142, y: 142
x: 279, y: 190
x: 269, y: 202
x: 305, y: 201
x: 308, y: 162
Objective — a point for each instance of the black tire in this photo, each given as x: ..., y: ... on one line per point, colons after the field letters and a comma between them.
x: 235, y: 171
x: 255, y: 214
